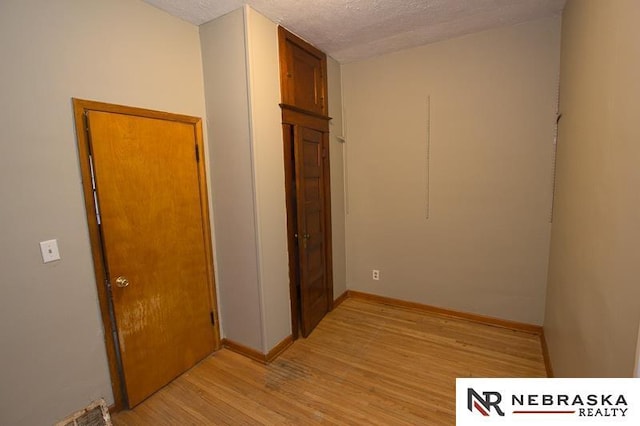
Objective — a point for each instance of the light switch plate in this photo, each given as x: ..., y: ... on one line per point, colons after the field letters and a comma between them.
x: 49, y: 251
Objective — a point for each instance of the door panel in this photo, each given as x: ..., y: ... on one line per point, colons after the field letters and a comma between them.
x: 307, y: 75
x: 153, y: 234
x: 311, y: 226
x: 303, y: 71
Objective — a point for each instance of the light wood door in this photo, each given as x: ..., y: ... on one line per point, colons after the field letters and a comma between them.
x: 310, y: 203
x: 153, y: 233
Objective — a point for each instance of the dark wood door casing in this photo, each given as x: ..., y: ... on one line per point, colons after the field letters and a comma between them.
x: 303, y: 70
x: 292, y: 227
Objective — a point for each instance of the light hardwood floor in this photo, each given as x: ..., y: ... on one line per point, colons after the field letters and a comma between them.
x: 366, y: 363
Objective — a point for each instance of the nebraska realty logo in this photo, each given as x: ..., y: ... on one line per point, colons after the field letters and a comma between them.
x: 554, y: 401
x: 484, y: 405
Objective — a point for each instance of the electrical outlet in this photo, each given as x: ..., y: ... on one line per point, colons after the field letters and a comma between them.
x: 375, y: 274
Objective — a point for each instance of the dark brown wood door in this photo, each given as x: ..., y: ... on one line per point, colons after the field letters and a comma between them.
x: 310, y: 203
x: 154, y: 244
x: 303, y: 74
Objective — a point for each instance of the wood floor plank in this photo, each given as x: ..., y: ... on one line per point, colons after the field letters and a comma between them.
x: 366, y: 363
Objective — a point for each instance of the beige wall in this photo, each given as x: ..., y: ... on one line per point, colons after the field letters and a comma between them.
x: 268, y: 161
x: 226, y: 85
x: 52, y: 356
x: 592, y: 315
x: 240, y: 55
x: 336, y: 157
x: 484, y: 248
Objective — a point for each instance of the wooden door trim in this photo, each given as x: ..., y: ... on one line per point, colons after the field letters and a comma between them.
x: 294, y: 108
x: 328, y: 235
x: 299, y: 117
x: 287, y: 132
x: 80, y: 108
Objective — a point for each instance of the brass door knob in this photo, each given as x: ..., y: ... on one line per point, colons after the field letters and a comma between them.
x: 122, y: 282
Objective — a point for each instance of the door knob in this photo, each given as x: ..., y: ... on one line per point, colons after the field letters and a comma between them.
x: 122, y: 282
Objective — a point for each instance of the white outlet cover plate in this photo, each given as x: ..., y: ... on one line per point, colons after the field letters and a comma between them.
x: 49, y: 250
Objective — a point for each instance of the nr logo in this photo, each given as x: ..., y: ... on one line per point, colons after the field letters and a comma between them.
x: 485, y: 403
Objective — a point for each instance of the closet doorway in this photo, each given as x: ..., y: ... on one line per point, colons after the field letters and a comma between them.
x: 305, y: 125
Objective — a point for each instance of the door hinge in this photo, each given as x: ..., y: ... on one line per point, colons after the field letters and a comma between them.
x: 85, y: 121
x: 197, y: 154
x: 213, y: 318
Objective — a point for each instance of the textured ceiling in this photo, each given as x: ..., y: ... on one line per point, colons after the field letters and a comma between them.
x: 350, y: 30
